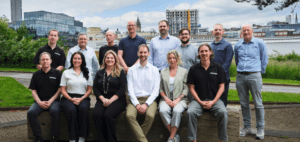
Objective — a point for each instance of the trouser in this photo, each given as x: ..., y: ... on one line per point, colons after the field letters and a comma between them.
x: 195, y: 110
x: 252, y: 82
x: 171, y: 115
x: 225, y: 93
x: 77, y: 116
x: 105, y: 119
x: 141, y: 131
x: 35, y: 110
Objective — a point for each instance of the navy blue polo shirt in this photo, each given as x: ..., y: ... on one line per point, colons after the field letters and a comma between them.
x: 46, y: 84
x: 206, y: 81
x: 130, y: 48
x: 57, y: 55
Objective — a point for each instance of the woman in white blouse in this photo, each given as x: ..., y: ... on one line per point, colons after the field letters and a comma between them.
x: 76, y: 86
x: 173, y: 90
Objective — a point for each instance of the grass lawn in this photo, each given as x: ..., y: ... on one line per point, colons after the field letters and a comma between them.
x: 275, y: 81
x: 18, y: 69
x: 268, y: 96
x: 13, y: 93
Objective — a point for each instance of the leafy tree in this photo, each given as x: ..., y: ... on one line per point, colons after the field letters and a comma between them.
x: 264, y: 3
x: 22, y: 32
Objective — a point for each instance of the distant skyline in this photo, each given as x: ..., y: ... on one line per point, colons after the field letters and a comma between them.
x: 115, y: 14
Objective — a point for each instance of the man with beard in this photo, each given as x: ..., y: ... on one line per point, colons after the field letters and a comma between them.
x: 143, y: 87
x: 110, y: 46
x: 57, y: 54
x: 223, y: 55
x: 161, y: 45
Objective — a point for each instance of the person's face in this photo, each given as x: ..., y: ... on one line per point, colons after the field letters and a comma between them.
x: 53, y: 37
x: 110, y: 37
x: 82, y: 41
x: 184, y: 36
x: 247, y: 32
x: 131, y: 27
x: 110, y: 60
x: 143, y: 53
x: 172, y: 60
x: 45, y: 61
x: 218, y: 31
x: 163, y: 28
x: 77, y: 61
x: 204, y: 53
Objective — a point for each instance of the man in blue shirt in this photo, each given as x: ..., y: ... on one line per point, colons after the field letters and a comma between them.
x: 223, y: 55
x: 251, y: 59
x: 161, y: 45
x: 128, y: 47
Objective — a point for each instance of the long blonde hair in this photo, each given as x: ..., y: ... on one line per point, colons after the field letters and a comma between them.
x: 117, y: 68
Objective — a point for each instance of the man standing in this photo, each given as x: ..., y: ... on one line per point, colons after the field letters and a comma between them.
x: 128, y: 47
x: 251, y: 57
x: 143, y: 88
x: 89, y: 54
x: 110, y: 46
x: 161, y: 45
x: 206, y: 82
x: 57, y: 54
x: 223, y: 55
x: 45, y: 90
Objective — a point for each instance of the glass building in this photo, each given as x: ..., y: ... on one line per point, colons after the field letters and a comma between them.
x: 286, y: 26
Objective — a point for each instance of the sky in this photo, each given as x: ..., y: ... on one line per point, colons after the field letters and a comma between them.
x: 115, y: 14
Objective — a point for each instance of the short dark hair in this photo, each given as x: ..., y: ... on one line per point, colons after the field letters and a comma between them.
x: 164, y: 21
x: 54, y: 31
x: 143, y: 45
x: 181, y: 30
x: 212, y: 55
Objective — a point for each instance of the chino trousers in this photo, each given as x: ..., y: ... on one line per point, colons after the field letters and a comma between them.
x: 77, y: 116
x: 35, y: 110
x: 171, y: 115
x: 141, y: 131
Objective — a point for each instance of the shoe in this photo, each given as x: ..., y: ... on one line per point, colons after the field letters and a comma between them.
x: 171, y: 140
x: 177, y: 138
x: 260, y: 134
x: 38, y: 139
x: 245, y: 131
x: 53, y: 139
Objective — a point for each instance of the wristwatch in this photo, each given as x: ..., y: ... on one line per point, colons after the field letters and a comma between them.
x: 164, y: 97
x: 83, y: 97
x: 147, y: 104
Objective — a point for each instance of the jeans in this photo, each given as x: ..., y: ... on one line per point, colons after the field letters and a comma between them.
x: 225, y: 93
x: 252, y: 82
x: 35, y: 110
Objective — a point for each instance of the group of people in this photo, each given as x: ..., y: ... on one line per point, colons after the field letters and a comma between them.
x: 166, y: 75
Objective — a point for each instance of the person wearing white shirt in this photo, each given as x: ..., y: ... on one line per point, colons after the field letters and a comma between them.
x: 143, y: 87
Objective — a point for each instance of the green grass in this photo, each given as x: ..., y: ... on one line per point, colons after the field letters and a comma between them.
x: 275, y: 81
x: 18, y: 69
x: 13, y: 93
x: 268, y: 96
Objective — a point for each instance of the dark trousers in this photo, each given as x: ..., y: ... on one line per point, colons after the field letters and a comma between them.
x: 105, y: 119
x: 77, y: 116
x: 35, y: 110
x: 225, y: 93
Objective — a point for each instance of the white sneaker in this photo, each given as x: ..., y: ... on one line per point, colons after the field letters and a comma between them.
x: 245, y: 131
x: 260, y: 134
x: 177, y: 138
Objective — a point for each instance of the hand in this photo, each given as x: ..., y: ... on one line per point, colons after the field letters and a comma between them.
x: 48, y: 103
x: 126, y: 70
x: 208, y: 104
x: 77, y: 101
x: 175, y: 102
x: 43, y: 105
x: 106, y: 102
x: 168, y: 101
x: 143, y: 109
x: 38, y: 66
x: 138, y: 108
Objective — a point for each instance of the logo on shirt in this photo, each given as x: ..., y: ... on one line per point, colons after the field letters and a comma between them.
x: 57, y: 53
x: 52, y: 77
x: 214, y: 73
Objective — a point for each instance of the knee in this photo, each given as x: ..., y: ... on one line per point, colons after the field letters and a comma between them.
x: 130, y: 116
x: 163, y: 111
x: 176, y: 112
x: 97, y: 115
x: 150, y: 116
x: 190, y: 112
x: 83, y: 109
x: 31, y: 113
x: 223, y: 113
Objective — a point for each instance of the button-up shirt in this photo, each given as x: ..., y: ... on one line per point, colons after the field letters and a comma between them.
x: 90, y: 59
x: 159, y: 48
x: 223, y: 55
x: 143, y: 81
x: 251, y: 56
x: 189, y: 55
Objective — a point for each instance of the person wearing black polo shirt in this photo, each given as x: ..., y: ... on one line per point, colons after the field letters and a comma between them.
x: 45, y: 90
x: 57, y: 54
x: 110, y: 46
x: 206, y: 82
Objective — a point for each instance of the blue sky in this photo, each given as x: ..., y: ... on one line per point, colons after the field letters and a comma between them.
x: 115, y: 14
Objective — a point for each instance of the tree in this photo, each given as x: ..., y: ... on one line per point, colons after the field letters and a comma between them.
x: 264, y: 3
x: 22, y: 32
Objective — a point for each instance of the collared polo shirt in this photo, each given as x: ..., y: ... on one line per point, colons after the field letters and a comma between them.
x: 188, y: 55
x: 130, y: 48
x: 206, y: 81
x: 46, y: 84
x: 57, y: 55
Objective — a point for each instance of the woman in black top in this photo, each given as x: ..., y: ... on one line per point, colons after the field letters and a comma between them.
x: 109, y: 87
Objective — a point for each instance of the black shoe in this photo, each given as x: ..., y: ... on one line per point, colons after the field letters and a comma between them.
x: 53, y: 139
x: 38, y: 139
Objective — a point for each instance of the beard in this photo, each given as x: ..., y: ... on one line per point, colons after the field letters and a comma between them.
x: 185, y: 42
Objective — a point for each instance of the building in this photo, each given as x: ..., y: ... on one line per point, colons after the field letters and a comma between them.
x: 94, y: 33
x: 296, y: 19
x: 16, y: 10
x: 138, y: 24
x: 288, y: 19
x: 182, y: 19
x: 286, y: 26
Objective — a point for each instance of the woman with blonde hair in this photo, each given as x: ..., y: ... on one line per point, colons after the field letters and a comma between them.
x: 173, y: 90
x: 109, y: 87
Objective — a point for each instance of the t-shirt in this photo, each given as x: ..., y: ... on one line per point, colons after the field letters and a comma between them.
x: 104, y: 49
x: 46, y: 84
x: 57, y: 55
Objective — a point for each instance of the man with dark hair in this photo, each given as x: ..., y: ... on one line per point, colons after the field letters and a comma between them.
x: 110, y: 36
x: 223, y: 55
x: 57, y: 54
x: 45, y: 90
x: 206, y: 82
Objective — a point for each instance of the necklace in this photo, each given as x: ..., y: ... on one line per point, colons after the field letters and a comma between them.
x: 105, y: 91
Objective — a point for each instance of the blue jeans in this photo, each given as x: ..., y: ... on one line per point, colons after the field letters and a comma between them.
x: 35, y: 110
x: 252, y: 82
